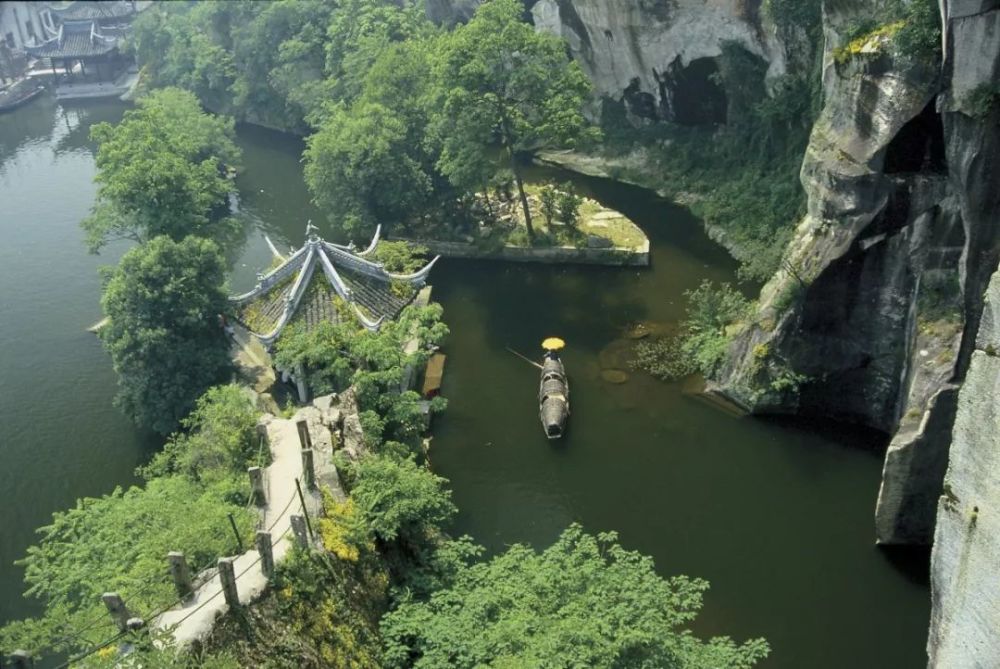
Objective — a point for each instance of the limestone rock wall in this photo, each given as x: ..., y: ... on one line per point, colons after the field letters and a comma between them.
x: 450, y: 12
x: 885, y: 274
x: 965, y: 584
x: 637, y: 49
x: 965, y: 562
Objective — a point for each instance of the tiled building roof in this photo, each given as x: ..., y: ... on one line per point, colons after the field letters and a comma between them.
x: 326, y: 282
x: 75, y: 39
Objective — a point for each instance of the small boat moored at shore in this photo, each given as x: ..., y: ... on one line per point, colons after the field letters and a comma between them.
x: 19, y: 94
x: 553, y: 390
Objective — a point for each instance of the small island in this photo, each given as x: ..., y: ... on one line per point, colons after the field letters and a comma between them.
x: 567, y: 228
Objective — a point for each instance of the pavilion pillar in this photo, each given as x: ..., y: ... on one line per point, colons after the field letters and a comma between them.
x: 300, y: 384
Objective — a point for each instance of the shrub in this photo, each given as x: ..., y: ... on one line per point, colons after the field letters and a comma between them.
x: 983, y: 101
x: 569, y: 204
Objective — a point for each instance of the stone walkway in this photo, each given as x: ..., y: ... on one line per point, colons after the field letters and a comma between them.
x: 195, y: 618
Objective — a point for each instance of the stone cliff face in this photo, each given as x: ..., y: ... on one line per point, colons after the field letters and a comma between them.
x: 880, y: 297
x: 965, y: 590
x: 886, y: 272
x: 450, y: 12
x: 965, y: 585
x: 652, y: 52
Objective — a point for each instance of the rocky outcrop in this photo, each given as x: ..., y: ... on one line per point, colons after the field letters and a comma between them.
x: 965, y: 583
x: 450, y: 12
x: 884, y: 276
x: 965, y: 571
x: 657, y: 54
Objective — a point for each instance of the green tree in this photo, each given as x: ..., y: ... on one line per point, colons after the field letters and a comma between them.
x: 358, y: 167
x: 219, y: 438
x: 583, y: 602
x: 338, y: 356
x: 569, y: 204
x: 360, y: 31
x: 400, y: 500
x: 549, y: 203
x: 504, y: 83
x: 160, y: 171
x: 117, y: 542
x: 162, y: 302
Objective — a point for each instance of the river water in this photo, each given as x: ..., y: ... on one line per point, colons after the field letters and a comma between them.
x: 777, y: 516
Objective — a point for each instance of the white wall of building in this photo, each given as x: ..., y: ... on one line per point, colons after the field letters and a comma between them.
x: 19, y: 22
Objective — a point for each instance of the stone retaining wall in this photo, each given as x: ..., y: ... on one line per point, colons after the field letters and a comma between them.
x: 621, y: 256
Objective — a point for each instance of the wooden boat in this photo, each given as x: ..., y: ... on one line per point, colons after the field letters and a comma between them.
x: 553, y: 393
x: 16, y: 96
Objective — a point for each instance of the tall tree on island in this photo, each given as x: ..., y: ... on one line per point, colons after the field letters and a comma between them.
x: 160, y: 172
x: 503, y: 83
x: 163, y: 334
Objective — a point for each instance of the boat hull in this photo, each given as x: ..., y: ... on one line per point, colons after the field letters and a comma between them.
x: 7, y: 106
x: 553, y: 397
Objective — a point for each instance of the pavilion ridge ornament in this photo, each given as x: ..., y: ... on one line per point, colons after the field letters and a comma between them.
x: 288, y: 292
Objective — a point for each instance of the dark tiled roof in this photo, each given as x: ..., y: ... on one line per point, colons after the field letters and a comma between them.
x: 324, y: 282
x: 93, y: 9
x: 75, y: 40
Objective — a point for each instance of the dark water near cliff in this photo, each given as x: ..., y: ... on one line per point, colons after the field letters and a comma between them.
x: 777, y: 516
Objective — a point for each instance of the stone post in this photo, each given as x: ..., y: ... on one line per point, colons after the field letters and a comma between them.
x: 135, y: 624
x: 116, y: 607
x: 266, y: 553
x: 262, y: 433
x: 299, y: 530
x: 181, y: 574
x: 304, y: 438
x: 300, y: 384
x: 227, y: 576
x: 257, y: 485
x: 308, y: 469
x: 20, y: 659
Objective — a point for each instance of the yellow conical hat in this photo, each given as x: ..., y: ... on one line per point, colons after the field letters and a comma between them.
x: 553, y: 344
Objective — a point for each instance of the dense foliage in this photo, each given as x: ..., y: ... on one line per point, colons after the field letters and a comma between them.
x: 700, y: 345
x: 501, y: 82
x: 908, y: 30
x: 162, y: 304
x: 401, y: 500
x: 375, y: 363
x: 118, y: 543
x: 407, y: 116
x: 583, y: 602
x: 161, y: 171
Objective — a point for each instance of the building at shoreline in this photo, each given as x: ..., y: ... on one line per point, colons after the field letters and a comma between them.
x: 82, y: 43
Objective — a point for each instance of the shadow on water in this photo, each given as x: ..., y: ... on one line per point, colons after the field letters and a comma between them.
x: 775, y: 513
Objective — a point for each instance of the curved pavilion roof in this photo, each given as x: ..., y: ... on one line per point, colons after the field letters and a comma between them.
x: 74, y: 39
x: 305, y: 284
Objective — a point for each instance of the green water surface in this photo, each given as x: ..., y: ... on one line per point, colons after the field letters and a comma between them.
x: 777, y: 516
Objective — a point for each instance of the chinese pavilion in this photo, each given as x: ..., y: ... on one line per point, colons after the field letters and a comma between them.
x: 319, y: 282
x: 82, y: 40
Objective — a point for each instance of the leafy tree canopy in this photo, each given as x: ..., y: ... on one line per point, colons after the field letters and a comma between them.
x: 337, y: 356
x: 160, y: 171
x: 401, y: 500
x: 162, y: 302
x: 501, y: 82
x: 118, y: 542
x: 219, y: 438
x: 583, y: 602
x: 358, y: 166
